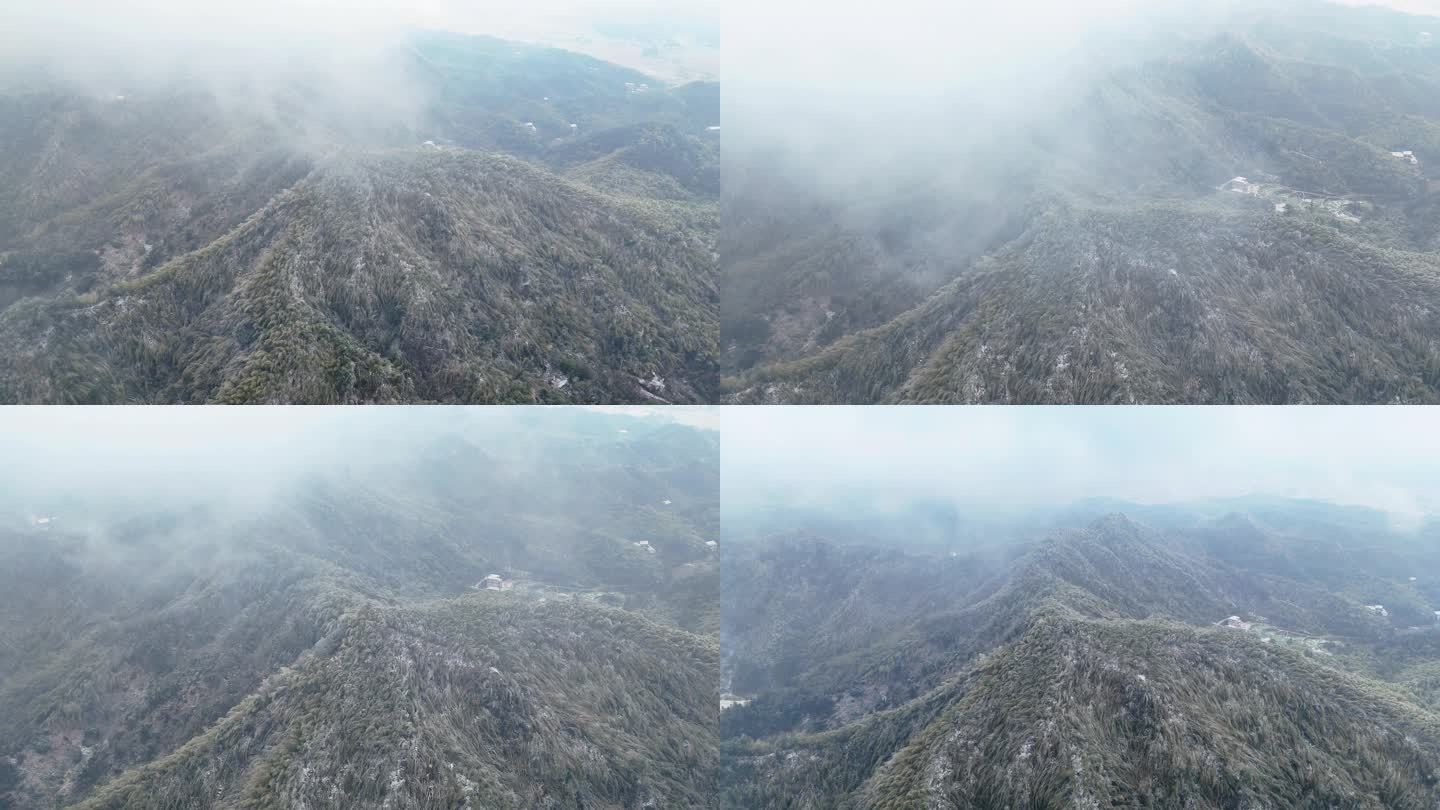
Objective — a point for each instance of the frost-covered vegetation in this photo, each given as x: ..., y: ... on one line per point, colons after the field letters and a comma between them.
x: 192, y: 245
x: 1088, y: 667
x: 327, y: 646
x: 1087, y: 253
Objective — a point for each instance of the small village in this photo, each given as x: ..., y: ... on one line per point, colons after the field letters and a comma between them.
x: 1271, y: 635
x: 1284, y: 197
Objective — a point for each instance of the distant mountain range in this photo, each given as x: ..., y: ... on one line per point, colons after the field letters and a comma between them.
x: 1284, y: 659
x: 540, y: 227
x: 331, y: 648
x: 1098, y: 252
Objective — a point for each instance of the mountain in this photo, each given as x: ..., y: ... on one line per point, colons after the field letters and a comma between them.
x: 330, y: 646
x: 525, y: 225
x: 1233, y: 662
x: 1097, y: 251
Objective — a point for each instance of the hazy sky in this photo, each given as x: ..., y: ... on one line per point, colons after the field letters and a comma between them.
x: 236, y: 452
x: 233, y: 18
x: 86, y: 40
x: 1384, y: 458
x: 852, y: 88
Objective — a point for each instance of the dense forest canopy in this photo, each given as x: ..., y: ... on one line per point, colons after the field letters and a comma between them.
x: 316, y: 622
x: 453, y: 218
x: 1072, y: 234
x: 1284, y: 655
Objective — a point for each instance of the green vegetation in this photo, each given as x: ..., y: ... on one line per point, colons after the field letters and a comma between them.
x: 1092, y: 258
x: 163, y: 249
x: 1088, y: 669
x: 326, y: 646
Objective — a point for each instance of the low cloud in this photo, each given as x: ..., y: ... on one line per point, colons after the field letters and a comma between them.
x: 1017, y: 458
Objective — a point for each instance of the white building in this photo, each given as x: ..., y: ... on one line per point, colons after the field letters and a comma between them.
x: 1407, y: 155
x: 645, y: 544
x: 493, y: 582
x: 1378, y: 610
x: 1240, y: 185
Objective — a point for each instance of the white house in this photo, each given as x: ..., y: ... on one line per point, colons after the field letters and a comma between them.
x: 1378, y: 610
x: 1240, y: 185
x: 493, y: 582
x: 645, y: 544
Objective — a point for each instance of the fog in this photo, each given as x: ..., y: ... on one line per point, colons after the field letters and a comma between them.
x: 892, y: 84
x: 325, y: 69
x: 239, y: 461
x: 865, y: 98
x: 1041, y: 458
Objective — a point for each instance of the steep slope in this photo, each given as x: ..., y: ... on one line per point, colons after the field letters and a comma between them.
x: 481, y: 701
x: 1090, y: 254
x: 1127, y: 713
x: 413, y: 275
x: 329, y: 646
x: 927, y: 694
x: 529, y: 225
x: 1170, y: 304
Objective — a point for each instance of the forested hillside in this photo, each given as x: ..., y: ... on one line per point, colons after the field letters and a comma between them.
x: 497, y: 223
x: 1244, y: 213
x: 336, y: 646
x: 1283, y: 657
